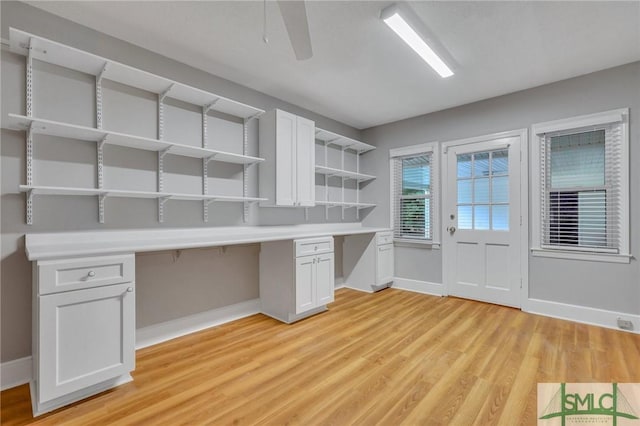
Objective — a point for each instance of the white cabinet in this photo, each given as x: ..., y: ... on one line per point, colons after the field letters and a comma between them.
x: 384, y: 264
x: 368, y: 261
x: 287, y: 176
x: 296, y: 277
x: 84, y: 339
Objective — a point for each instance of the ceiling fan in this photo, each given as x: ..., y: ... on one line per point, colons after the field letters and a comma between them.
x: 294, y: 15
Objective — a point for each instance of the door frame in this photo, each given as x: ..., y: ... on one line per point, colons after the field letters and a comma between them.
x: 523, y: 134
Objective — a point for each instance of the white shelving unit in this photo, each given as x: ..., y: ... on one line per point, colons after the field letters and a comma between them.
x: 35, y: 47
x: 344, y: 143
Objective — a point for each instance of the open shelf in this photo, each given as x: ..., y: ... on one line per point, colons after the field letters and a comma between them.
x: 345, y: 204
x: 330, y: 172
x: 69, y: 57
x: 66, y: 130
x: 118, y: 193
x: 342, y: 141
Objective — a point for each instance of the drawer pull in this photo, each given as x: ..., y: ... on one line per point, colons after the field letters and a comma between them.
x: 130, y: 289
x: 91, y: 274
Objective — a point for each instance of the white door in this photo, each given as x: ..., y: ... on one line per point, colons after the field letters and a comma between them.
x: 86, y: 337
x: 324, y: 279
x: 305, y: 153
x: 481, y: 217
x: 305, y: 284
x: 285, y: 158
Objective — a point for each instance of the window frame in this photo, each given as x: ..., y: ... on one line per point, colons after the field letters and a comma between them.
x: 433, y: 149
x: 566, y: 125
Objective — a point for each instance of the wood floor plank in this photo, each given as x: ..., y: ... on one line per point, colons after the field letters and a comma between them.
x: 387, y: 358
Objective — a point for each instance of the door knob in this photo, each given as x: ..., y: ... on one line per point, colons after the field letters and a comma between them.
x: 451, y: 229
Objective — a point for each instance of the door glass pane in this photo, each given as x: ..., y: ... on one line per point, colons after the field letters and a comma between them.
x: 464, y: 165
x: 481, y: 164
x: 500, y: 189
x: 464, y: 191
x: 465, y: 217
x: 500, y: 162
x: 480, y: 217
x: 500, y: 217
x: 481, y: 190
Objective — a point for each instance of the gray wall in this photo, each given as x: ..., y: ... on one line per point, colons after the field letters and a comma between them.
x: 600, y: 285
x: 168, y: 286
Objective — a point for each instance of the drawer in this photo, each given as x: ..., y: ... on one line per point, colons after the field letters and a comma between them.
x: 314, y: 246
x: 72, y: 274
x: 384, y: 238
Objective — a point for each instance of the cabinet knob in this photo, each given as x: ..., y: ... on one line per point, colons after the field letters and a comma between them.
x: 130, y: 289
x: 91, y: 274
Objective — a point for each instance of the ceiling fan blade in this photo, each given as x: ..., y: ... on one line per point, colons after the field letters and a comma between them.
x: 294, y: 14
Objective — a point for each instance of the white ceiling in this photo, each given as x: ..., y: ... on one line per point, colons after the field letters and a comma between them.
x: 361, y: 73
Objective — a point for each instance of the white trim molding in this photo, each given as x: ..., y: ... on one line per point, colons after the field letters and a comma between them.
x: 581, y: 314
x: 538, y: 132
x: 16, y: 372
x: 432, y: 148
x: 523, y: 134
x: 417, y: 286
x: 158, y: 333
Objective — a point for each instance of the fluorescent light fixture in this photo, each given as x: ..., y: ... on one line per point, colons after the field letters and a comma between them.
x: 391, y: 16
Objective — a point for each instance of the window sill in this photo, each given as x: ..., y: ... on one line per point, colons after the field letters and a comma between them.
x: 417, y: 244
x: 573, y: 255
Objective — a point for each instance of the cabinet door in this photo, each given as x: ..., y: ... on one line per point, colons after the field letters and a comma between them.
x: 285, y: 158
x: 306, y: 159
x: 384, y: 264
x: 324, y: 279
x: 85, y: 337
x: 305, y: 284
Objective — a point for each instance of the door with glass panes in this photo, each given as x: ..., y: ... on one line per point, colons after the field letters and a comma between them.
x: 481, y: 217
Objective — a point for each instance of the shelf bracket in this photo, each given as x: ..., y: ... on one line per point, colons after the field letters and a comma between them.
x: 29, y: 78
x: 205, y: 186
x: 205, y: 111
x: 99, y: 96
x: 161, y: 202
x: 245, y: 170
x: 306, y: 214
x: 206, y: 108
x: 100, y: 154
x: 30, y: 131
x: 326, y: 212
x: 101, y: 199
x: 161, y: 97
x: 332, y: 141
x: 253, y: 117
x: 30, y: 207
x: 358, y: 186
x: 164, y: 94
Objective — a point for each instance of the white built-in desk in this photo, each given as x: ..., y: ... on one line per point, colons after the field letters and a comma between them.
x: 84, y: 291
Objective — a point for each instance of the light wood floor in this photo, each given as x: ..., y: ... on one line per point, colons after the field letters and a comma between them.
x: 388, y: 358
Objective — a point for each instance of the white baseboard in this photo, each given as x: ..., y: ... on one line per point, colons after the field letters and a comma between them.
x: 15, y: 373
x: 581, y: 314
x: 162, y: 332
x: 417, y: 286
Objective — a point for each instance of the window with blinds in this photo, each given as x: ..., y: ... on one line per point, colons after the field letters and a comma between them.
x: 413, y: 197
x: 580, y: 179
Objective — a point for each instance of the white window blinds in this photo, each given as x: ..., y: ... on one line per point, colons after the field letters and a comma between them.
x: 581, y: 189
x: 413, y: 203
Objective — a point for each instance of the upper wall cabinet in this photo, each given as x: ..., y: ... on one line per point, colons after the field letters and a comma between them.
x: 287, y: 176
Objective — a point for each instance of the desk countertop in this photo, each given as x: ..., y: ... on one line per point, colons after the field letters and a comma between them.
x: 73, y: 244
